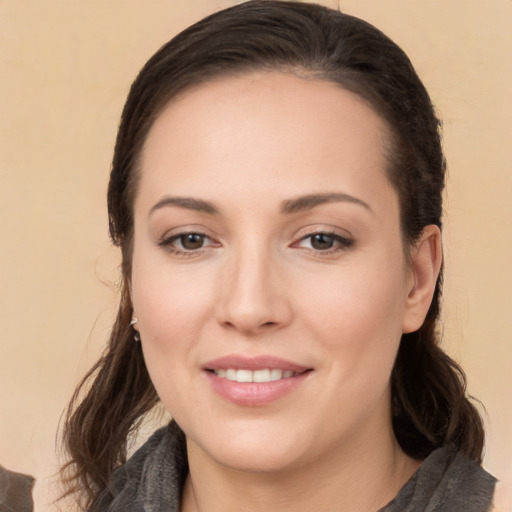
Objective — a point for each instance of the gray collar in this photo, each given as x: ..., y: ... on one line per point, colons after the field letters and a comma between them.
x: 152, y: 481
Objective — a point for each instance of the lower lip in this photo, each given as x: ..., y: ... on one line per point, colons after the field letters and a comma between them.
x: 254, y: 394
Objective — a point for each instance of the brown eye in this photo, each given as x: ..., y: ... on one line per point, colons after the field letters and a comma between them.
x: 187, y: 243
x: 325, y: 242
x: 322, y: 241
x: 192, y: 241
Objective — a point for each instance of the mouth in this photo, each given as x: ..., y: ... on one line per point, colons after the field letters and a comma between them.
x: 260, y: 376
x: 255, y: 381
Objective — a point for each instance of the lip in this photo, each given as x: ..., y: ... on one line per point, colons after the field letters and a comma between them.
x: 254, y: 394
x: 253, y: 363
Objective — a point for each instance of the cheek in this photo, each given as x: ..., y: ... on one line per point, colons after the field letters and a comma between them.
x: 171, y: 307
x: 168, y: 301
x: 358, y: 316
x: 370, y: 298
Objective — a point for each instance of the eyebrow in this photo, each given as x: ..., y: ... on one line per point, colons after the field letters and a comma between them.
x: 188, y: 203
x: 299, y: 204
x: 310, y: 201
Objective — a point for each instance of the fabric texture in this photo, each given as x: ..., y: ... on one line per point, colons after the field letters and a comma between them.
x: 153, y: 478
x: 447, y: 481
x: 15, y: 491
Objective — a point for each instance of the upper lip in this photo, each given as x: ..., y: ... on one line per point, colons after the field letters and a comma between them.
x: 253, y: 363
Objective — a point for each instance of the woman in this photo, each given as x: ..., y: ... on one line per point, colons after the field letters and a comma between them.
x: 276, y: 192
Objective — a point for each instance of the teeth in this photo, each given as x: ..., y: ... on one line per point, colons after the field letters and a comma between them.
x: 243, y: 376
x: 261, y: 376
x: 265, y: 375
x: 276, y: 374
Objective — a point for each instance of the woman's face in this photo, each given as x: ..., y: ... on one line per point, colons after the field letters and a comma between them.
x: 268, y: 247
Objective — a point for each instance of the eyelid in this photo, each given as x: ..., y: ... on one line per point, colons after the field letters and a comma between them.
x: 345, y: 241
x: 166, y: 241
x: 342, y: 241
x: 323, y: 229
x: 185, y: 230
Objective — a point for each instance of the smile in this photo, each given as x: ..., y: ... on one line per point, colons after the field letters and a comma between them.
x: 255, y: 381
x: 265, y: 375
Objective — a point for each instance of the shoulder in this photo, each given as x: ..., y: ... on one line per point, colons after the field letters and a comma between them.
x: 15, y: 491
x: 161, y: 458
x: 460, y: 483
x: 464, y: 478
x: 446, y: 481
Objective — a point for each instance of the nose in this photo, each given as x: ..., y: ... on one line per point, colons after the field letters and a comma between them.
x: 255, y: 299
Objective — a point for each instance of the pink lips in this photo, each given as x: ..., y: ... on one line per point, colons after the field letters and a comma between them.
x: 254, y: 394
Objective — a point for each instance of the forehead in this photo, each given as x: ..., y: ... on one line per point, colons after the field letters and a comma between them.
x: 264, y: 130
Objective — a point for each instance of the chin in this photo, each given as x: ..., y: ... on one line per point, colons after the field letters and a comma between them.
x: 253, y: 448
x: 257, y: 460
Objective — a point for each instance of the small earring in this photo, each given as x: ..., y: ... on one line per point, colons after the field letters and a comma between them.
x: 136, y: 334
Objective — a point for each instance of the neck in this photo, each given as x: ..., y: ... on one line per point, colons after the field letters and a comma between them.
x: 362, y: 477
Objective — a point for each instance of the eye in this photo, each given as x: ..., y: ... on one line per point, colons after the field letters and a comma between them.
x: 187, y: 242
x: 324, y: 242
x: 191, y: 241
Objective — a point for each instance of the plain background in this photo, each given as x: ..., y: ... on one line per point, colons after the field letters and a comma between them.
x: 65, y: 69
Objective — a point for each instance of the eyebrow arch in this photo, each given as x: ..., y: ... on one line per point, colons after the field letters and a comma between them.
x: 310, y: 201
x: 188, y: 203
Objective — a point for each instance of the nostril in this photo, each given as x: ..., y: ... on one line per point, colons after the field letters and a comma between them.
x: 252, y: 328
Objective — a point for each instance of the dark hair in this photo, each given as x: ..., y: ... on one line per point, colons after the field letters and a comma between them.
x: 429, y: 403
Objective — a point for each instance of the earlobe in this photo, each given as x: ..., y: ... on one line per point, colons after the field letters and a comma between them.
x: 426, y: 259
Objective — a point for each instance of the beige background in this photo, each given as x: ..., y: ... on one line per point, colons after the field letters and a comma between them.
x: 65, y: 70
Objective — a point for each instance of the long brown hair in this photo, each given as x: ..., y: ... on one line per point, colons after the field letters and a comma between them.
x: 429, y: 402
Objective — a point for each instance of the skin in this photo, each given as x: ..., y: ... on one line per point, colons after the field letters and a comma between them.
x: 256, y: 284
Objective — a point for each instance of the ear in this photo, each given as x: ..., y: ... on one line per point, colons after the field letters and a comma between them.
x: 425, y: 260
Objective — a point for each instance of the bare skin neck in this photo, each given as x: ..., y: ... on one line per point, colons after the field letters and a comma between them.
x: 362, y: 478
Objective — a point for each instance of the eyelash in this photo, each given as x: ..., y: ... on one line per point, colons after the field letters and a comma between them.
x: 342, y: 243
x: 167, y: 244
